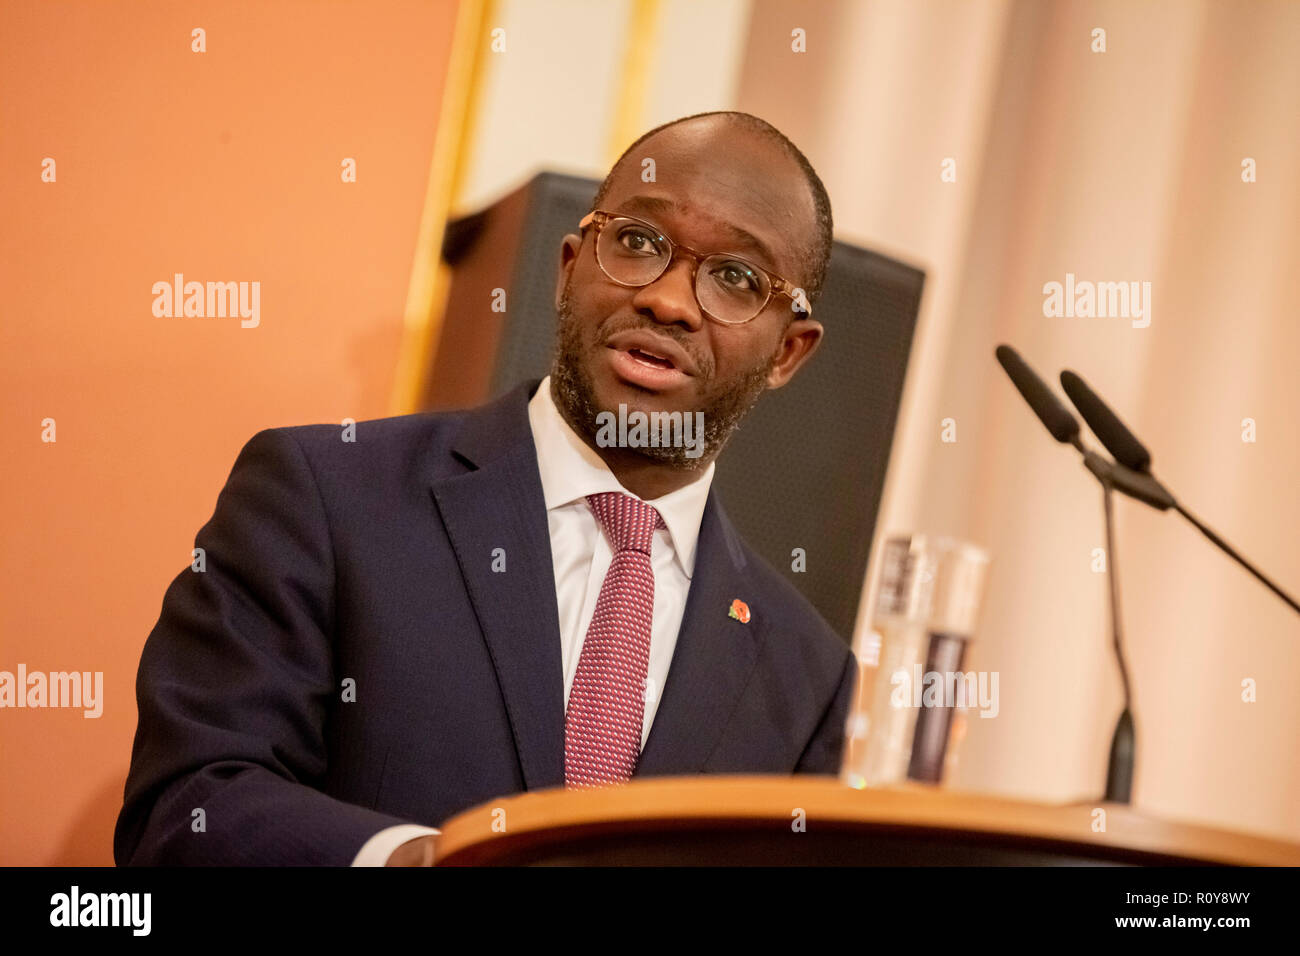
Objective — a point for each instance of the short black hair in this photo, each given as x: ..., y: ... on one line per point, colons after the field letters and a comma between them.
x: 815, y: 259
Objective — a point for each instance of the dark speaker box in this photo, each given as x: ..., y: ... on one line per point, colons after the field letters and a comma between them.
x: 804, y: 470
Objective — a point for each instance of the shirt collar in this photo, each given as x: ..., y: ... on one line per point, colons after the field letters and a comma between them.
x: 571, y: 470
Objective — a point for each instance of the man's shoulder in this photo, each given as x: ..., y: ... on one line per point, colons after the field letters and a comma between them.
x: 376, y: 444
x: 424, y: 435
x: 374, y: 456
x: 393, y: 430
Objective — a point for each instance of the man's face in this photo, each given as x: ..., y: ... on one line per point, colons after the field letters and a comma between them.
x: 717, y: 190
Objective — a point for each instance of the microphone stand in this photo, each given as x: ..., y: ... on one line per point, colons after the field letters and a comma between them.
x: 1142, y: 486
x: 1123, y: 743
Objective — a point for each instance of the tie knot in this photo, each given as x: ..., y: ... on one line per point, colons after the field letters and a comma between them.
x: 629, y: 522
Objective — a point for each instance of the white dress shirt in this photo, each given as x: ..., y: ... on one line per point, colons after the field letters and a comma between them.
x: 570, y: 470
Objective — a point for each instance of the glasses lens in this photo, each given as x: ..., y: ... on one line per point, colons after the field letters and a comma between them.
x: 731, y: 289
x: 635, y: 253
x: 632, y: 252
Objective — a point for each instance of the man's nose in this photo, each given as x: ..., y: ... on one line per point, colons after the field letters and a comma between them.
x: 671, y: 297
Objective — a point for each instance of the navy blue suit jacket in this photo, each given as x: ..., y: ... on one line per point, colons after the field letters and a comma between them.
x: 370, y: 562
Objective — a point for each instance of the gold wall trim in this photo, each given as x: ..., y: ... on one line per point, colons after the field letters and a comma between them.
x: 638, y: 60
x: 427, y: 291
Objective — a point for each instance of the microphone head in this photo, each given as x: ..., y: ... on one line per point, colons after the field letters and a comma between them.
x: 1110, y: 431
x: 1063, y: 426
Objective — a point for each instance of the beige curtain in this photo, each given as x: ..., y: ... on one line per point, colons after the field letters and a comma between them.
x: 1117, y: 166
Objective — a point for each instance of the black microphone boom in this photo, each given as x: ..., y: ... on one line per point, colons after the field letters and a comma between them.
x: 1133, y: 456
x: 1135, y: 484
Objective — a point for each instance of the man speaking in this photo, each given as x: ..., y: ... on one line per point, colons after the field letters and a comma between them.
x: 459, y: 606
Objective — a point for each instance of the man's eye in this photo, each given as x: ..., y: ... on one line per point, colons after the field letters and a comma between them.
x: 737, y: 276
x: 639, y: 241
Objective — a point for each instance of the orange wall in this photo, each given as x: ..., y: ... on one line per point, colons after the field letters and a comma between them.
x: 224, y: 166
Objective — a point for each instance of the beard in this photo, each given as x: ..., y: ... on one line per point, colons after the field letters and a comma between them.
x: 724, y: 403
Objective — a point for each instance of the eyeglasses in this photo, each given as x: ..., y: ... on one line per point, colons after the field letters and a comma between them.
x: 729, y: 289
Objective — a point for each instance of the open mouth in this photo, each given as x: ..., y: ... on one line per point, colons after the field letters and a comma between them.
x: 650, y: 359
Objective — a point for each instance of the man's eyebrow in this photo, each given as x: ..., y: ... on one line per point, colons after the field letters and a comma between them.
x: 657, y: 204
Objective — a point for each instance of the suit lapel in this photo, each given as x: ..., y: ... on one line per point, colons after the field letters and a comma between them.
x: 499, y: 504
x: 714, y: 657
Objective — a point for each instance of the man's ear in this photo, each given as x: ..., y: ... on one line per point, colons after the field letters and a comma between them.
x: 569, y: 247
x: 801, y: 339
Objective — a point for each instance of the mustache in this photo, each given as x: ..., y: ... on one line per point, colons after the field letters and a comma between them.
x: 630, y: 323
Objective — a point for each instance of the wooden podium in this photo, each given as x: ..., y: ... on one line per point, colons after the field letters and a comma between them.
x: 810, y: 820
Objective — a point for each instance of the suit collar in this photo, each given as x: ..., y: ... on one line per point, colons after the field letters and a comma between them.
x: 498, y: 429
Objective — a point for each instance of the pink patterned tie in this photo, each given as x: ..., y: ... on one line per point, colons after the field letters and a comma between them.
x: 602, y: 726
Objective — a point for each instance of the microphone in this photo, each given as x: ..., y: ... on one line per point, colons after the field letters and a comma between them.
x: 1064, y: 427
x: 1132, y: 454
x: 1105, y: 424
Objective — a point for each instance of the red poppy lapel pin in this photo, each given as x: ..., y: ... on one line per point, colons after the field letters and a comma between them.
x: 739, y: 610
